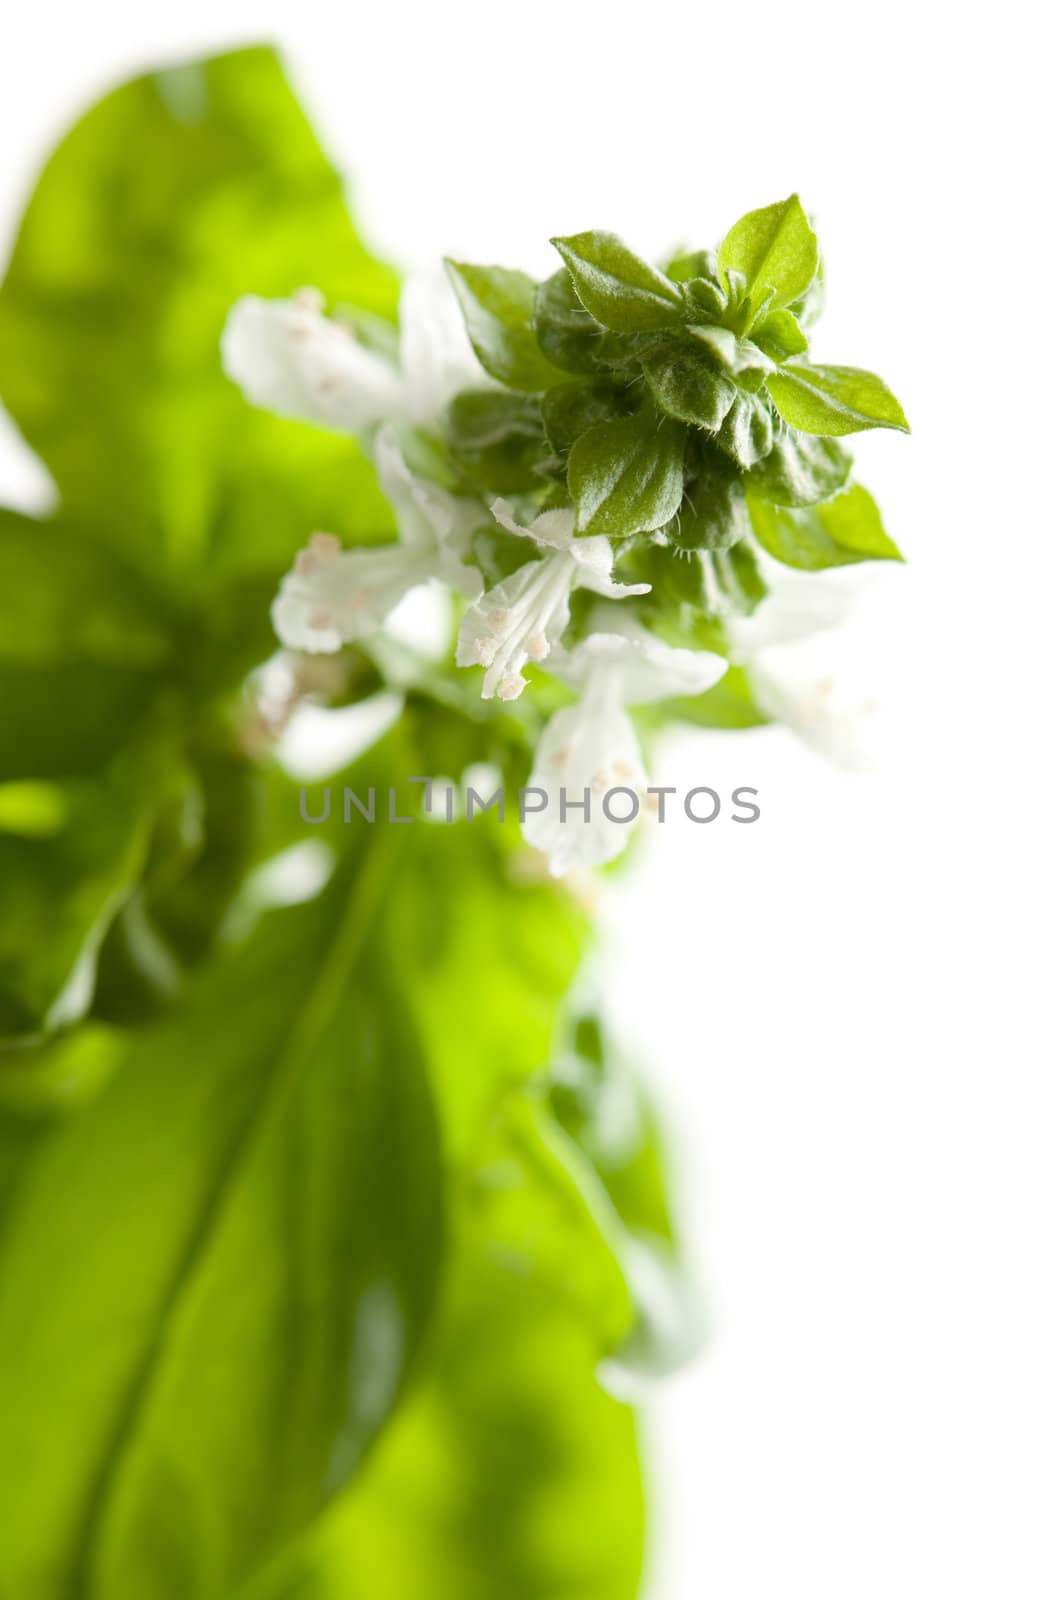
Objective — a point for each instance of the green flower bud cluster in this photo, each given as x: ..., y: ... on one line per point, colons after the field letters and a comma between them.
x: 676, y: 408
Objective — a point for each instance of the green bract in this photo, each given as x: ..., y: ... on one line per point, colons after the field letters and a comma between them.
x: 667, y: 394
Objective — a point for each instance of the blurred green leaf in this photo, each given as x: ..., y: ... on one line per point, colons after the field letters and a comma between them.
x: 63, y: 888
x: 84, y: 648
x: 174, y: 195
x: 487, y: 960
x: 215, y: 1277
x: 731, y: 704
x: 509, y: 1471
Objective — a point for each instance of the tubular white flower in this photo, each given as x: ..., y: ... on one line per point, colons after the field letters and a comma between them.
x: 333, y: 596
x: 590, y: 749
x: 437, y: 360
x: 795, y: 610
x: 288, y: 357
x: 817, y: 715
x: 525, y: 616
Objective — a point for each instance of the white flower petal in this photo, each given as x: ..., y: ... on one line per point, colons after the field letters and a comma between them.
x: 647, y: 669
x: 835, y: 730
x: 589, y: 747
x: 290, y: 359
x: 517, y: 621
x: 594, y: 557
x: 334, y: 596
x: 644, y: 667
x: 553, y: 528
x: 795, y: 608
x: 437, y: 360
x: 429, y: 518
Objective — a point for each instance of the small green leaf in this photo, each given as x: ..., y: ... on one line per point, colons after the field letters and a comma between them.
x: 774, y: 248
x: 731, y: 704
x: 620, y: 290
x: 694, y: 264
x: 497, y: 306
x: 498, y: 440
x: 739, y: 357
x: 686, y: 384
x: 738, y: 575
x: 482, y: 417
x: 800, y: 470
x: 570, y: 409
x: 780, y: 336
x: 846, y: 529
x: 747, y: 432
x: 834, y: 400
x: 626, y: 476
x: 714, y: 513
x: 567, y: 334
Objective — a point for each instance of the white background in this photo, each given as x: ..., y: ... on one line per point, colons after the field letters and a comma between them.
x: 843, y: 1005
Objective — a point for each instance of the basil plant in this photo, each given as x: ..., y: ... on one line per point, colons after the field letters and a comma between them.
x: 333, y: 1232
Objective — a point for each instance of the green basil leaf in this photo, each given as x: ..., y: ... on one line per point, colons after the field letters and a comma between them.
x: 695, y: 264
x: 85, y: 647
x: 498, y: 440
x: 567, y: 334
x: 714, y: 513
x: 747, y: 431
x: 846, y: 529
x: 478, y: 418
x: 800, y: 470
x: 834, y: 400
x: 780, y: 336
x: 738, y: 575
x: 253, y: 1206
x: 775, y: 249
x: 497, y: 306
x: 174, y: 195
x: 739, y: 357
x: 546, y: 1496
x: 627, y: 476
x: 686, y: 384
x: 71, y: 853
x: 570, y: 409
x: 620, y: 290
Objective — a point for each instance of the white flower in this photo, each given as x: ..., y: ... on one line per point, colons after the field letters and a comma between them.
x: 795, y: 610
x: 288, y: 357
x: 333, y: 596
x: 590, y: 749
x: 523, y: 617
